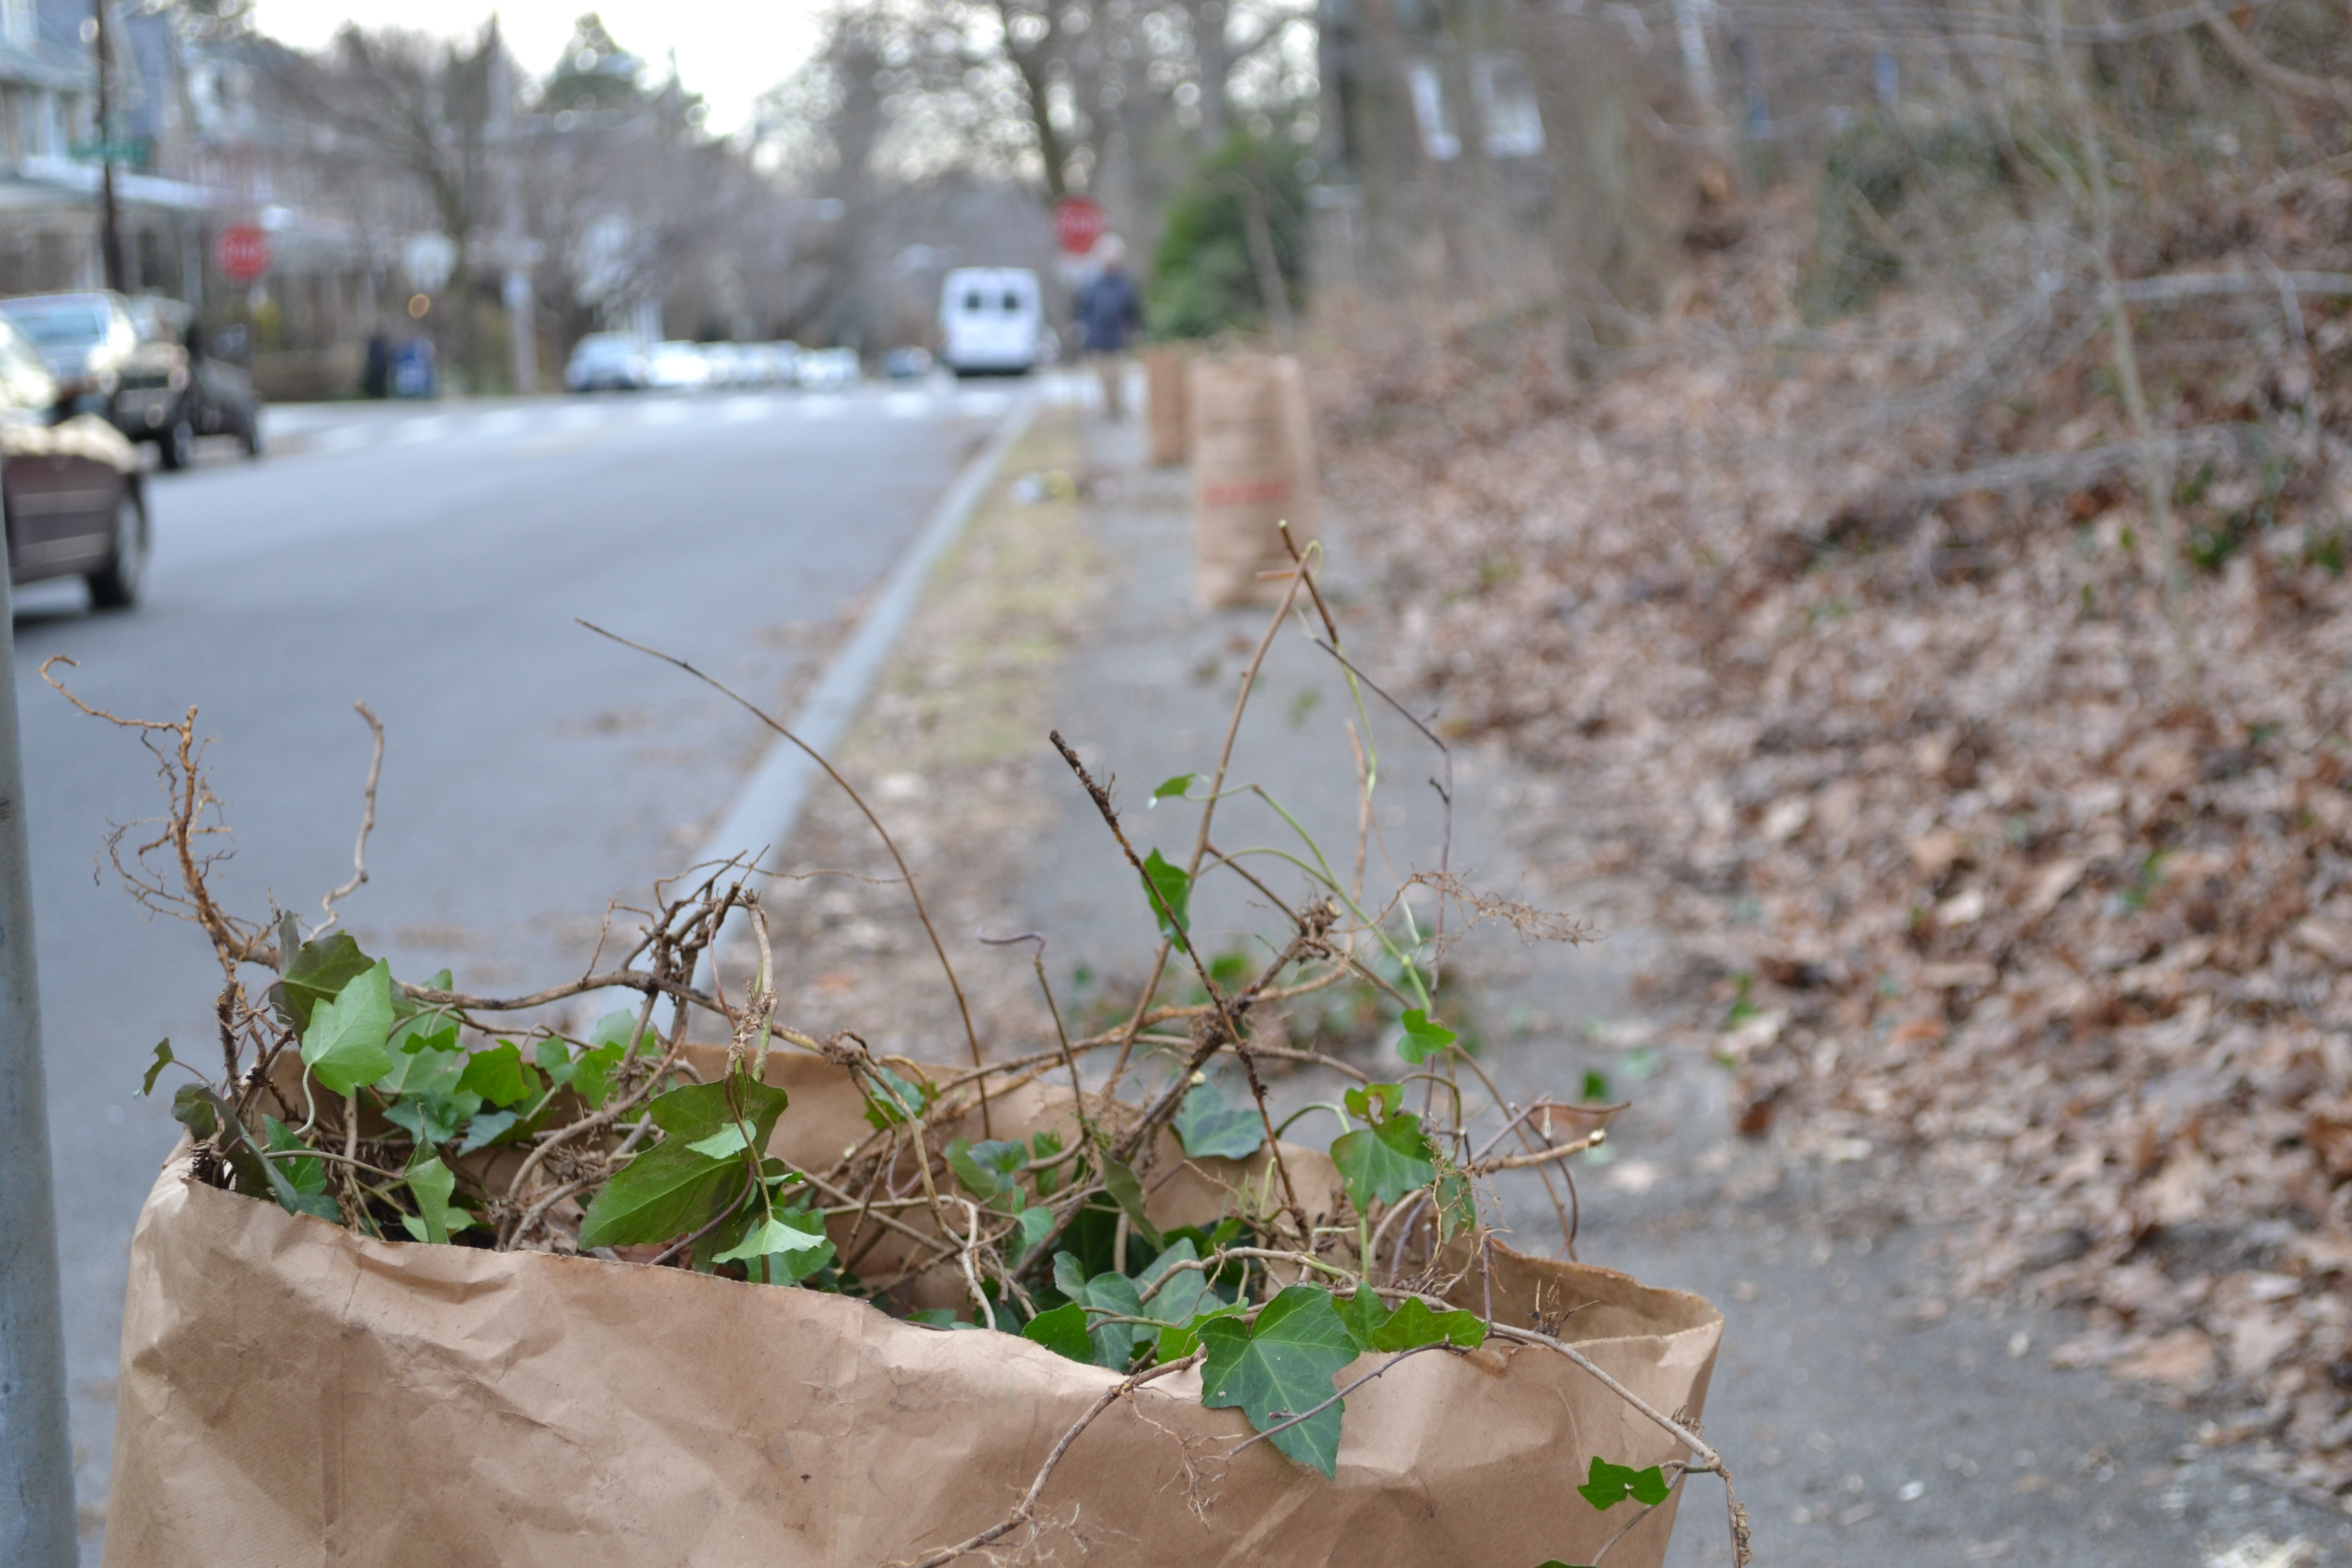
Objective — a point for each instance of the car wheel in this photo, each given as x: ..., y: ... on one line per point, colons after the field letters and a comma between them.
x: 116, y: 586
x: 178, y: 441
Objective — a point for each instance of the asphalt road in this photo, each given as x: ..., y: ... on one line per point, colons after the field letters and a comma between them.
x: 430, y: 561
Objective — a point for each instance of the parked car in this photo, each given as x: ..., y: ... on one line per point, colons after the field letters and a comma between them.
x: 143, y: 358
x: 779, y: 362
x: 69, y: 488
x: 730, y: 365
x: 178, y: 385
x: 607, y: 361
x: 992, y: 320
x: 677, y: 365
x: 906, y: 364
x: 828, y: 370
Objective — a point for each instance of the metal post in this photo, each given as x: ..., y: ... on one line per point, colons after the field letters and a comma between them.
x: 36, y: 1501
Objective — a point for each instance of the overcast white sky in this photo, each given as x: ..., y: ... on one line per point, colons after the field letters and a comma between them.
x: 731, y: 51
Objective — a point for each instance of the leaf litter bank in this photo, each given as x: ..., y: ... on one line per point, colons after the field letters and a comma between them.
x: 1971, y: 873
x: 1145, y: 1229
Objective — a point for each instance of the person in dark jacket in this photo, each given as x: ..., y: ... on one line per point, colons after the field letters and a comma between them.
x: 375, y: 375
x: 1108, y: 310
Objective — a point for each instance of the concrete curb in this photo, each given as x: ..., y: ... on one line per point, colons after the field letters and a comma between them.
x: 767, y: 805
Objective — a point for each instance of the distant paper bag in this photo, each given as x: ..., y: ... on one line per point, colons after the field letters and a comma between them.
x: 1253, y: 468
x: 292, y: 1393
x: 1165, y: 384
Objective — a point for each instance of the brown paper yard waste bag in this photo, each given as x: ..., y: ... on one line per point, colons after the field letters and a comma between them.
x: 1253, y: 468
x: 1165, y: 377
x: 294, y: 1394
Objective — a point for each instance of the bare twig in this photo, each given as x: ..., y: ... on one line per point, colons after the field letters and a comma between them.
x: 367, y: 826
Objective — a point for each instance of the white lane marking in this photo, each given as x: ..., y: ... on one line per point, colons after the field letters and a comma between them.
x: 503, y: 422
x: 431, y: 427
x: 344, y: 438
x: 821, y: 406
x: 980, y: 405
x: 662, y: 413
x: 579, y: 416
x: 743, y: 410
x: 908, y: 406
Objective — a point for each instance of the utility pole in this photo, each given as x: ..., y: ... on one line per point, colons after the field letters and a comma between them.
x: 109, y: 223
x: 36, y: 1502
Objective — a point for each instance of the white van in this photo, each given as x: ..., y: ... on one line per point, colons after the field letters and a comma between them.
x: 992, y: 320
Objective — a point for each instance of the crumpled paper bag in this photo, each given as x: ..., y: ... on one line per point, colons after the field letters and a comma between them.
x: 294, y: 1394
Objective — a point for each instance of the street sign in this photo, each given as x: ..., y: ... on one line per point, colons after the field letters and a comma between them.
x: 242, y: 253
x: 1078, y: 221
x: 118, y: 149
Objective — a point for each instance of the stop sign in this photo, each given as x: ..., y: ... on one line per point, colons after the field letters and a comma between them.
x: 242, y: 253
x: 1078, y: 221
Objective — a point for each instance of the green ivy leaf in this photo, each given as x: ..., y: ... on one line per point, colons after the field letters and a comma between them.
x: 1383, y: 1161
x: 425, y: 1070
x: 1279, y: 1365
x: 1034, y: 1225
x: 699, y: 1110
x: 1180, y: 1339
x: 299, y: 1185
x: 1063, y: 1330
x: 990, y: 1168
x: 1114, y: 1343
x: 1180, y: 1298
x: 1168, y: 890
x: 500, y: 1076
x: 1375, y: 1102
x: 897, y: 1101
x: 592, y: 1075
x: 344, y: 1046
x: 1177, y: 788
x: 422, y: 1031
x: 487, y: 1128
x: 318, y: 973
x: 613, y: 1029
x: 662, y: 1193
x: 433, y: 1118
x: 1364, y: 1313
x: 1424, y: 1036
x: 1209, y: 1128
x: 1612, y: 1484
x: 672, y: 1188
x: 1415, y: 1324
x: 430, y: 1183
x: 723, y: 1144
x: 771, y: 1236
x: 1120, y: 1182
x: 155, y: 1069
x: 193, y: 1108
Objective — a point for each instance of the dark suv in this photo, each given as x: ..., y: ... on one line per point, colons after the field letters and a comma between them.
x: 142, y: 356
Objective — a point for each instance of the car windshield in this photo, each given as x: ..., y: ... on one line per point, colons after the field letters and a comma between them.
x: 67, y: 325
